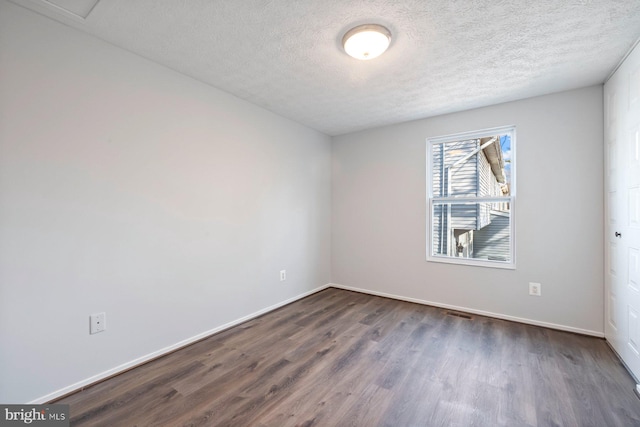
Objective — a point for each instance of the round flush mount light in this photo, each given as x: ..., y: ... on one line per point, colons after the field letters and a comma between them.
x: 366, y: 41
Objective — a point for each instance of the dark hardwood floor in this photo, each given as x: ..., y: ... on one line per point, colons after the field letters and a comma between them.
x: 340, y: 358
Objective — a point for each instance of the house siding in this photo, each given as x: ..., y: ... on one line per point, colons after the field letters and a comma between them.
x: 465, y: 183
x: 489, y: 187
x: 493, y: 241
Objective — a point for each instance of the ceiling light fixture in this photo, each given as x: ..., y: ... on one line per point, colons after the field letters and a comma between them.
x: 366, y: 41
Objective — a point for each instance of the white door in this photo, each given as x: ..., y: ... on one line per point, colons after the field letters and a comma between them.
x: 622, y: 205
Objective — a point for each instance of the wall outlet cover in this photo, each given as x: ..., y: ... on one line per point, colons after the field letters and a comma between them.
x: 535, y: 289
x: 98, y: 323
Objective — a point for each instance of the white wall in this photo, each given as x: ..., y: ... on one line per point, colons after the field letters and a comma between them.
x: 128, y: 188
x: 379, y: 213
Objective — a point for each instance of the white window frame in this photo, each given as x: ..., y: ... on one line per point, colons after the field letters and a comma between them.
x: 511, y: 198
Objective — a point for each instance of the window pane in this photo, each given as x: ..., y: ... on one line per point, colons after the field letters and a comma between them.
x: 479, y: 167
x: 472, y: 230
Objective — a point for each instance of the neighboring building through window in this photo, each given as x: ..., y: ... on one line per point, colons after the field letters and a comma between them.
x: 471, y: 198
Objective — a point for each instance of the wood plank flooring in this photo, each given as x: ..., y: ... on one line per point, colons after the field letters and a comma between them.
x: 340, y: 358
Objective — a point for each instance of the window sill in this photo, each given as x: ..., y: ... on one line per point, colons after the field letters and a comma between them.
x: 473, y: 262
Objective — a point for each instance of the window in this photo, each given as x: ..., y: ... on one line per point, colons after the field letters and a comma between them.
x: 471, y: 198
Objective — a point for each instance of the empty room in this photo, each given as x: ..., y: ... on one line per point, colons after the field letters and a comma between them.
x: 319, y: 213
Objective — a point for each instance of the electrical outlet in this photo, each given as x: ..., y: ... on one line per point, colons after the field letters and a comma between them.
x: 535, y: 289
x: 98, y: 323
x: 283, y: 275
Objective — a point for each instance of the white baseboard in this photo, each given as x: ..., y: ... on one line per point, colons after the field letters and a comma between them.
x: 474, y: 311
x: 148, y: 357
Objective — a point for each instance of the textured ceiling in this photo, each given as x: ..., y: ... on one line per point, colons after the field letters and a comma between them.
x: 445, y: 55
